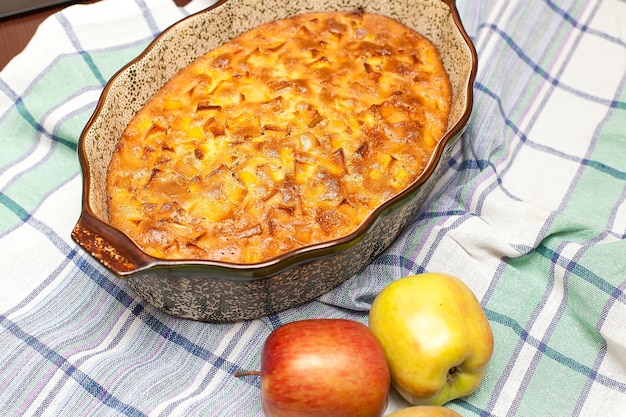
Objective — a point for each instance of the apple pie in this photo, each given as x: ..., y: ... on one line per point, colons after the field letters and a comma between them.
x: 286, y: 136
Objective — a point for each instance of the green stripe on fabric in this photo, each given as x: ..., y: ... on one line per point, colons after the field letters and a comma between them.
x: 13, y: 126
x: 532, y: 272
x: 590, y: 205
x: 94, y: 69
x: 69, y: 76
x: 560, y: 358
x: 72, y: 128
x: 610, y: 148
x: 581, y: 272
x: 9, y: 208
x: 609, y: 265
x: 579, y: 304
x: 37, y: 128
x: 27, y: 115
x: 538, y: 400
x: 24, y: 194
x: 110, y: 61
x: 604, y: 168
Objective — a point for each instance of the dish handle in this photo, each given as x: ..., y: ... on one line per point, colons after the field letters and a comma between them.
x: 96, y: 238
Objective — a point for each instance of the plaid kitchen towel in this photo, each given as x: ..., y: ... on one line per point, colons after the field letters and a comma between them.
x: 531, y: 214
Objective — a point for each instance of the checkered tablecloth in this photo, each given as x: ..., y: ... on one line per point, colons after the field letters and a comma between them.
x: 531, y: 213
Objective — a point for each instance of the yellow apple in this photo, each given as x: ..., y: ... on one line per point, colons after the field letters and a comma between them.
x: 425, y: 411
x: 436, y: 337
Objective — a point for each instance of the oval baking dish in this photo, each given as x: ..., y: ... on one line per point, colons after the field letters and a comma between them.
x: 225, y: 292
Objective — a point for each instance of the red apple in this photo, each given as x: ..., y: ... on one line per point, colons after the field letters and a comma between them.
x: 324, y: 367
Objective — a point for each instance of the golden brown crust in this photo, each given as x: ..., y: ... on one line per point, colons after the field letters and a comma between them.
x: 287, y: 136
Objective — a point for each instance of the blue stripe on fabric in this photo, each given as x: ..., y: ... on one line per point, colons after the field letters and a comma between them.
x: 546, y: 76
x: 472, y: 408
x: 155, y: 325
x: 71, y: 34
x: 560, y: 358
x: 149, y: 18
x: 399, y: 261
x: 21, y: 108
x: 481, y: 165
x: 70, y: 143
x: 43, y: 228
x: 138, y: 311
x: 122, y: 298
x: 547, y: 334
x: 601, y: 353
x: 82, y: 379
x: 22, y: 214
x: 15, y: 97
x: 274, y: 320
x: 478, y: 86
x: 621, y: 175
x: 437, y: 214
x: 472, y: 164
x: 584, y: 394
x: 30, y: 119
x: 582, y: 27
x: 116, y: 292
x: 582, y: 272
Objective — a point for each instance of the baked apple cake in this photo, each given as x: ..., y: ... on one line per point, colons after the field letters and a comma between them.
x: 287, y: 136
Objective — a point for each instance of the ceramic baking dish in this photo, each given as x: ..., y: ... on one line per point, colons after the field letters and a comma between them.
x: 223, y: 292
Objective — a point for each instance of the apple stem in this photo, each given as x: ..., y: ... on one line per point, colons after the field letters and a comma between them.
x: 453, y: 372
x: 247, y: 373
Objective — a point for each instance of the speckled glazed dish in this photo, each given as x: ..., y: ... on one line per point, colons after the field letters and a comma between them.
x: 222, y: 292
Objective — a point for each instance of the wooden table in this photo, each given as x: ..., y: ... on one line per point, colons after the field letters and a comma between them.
x: 15, y: 32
